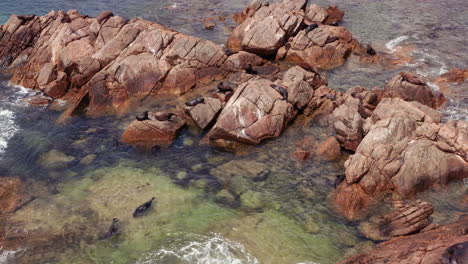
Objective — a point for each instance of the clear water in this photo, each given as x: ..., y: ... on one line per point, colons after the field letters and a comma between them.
x: 292, y: 222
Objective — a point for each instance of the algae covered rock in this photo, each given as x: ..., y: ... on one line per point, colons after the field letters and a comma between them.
x: 55, y: 159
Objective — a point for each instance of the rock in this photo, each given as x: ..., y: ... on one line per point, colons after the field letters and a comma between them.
x: 225, y: 197
x: 106, y: 14
x: 426, y: 247
x: 252, y: 200
x: 209, y: 23
x: 348, y: 123
x: 151, y: 133
x: 404, y: 152
x: 204, y: 114
x: 55, y: 159
x: 406, y: 219
x: 254, y: 113
x: 301, y: 154
x: 249, y: 11
x: 241, y: 60
x: 268, y: 28
x: 252, y: 170
x: 325, y: 47
x: 13, y: 194
x: 329, y: 149
x: 322, y: 15
x: 453, y: 82
x: 411, y: 88
x: 88, y: 160
x: 39, y: 100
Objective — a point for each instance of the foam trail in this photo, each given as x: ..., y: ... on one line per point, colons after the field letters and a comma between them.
x: 392, y: 44
x: 207, y: 250
x: 7, y: 255
x: 8, y: 128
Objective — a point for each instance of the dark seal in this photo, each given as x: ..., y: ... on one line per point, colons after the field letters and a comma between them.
x: 224, y: 87
x: 143, y: 208
x: 370, y: 51
x: 250, y: 70
x: 228, y: 51
x: 407, y: 77
x: 113, y: 229
x: 194, y: 102
x: 143, y: 116
x: 456, y: 254
x: 281, y: 90
x: 311, y: 27
x: 164, y: 116
x: 339, y: 179
x: 331, y: 39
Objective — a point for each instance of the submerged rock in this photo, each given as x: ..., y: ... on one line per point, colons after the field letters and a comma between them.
x: 13, y: 195
x: 55, y: 159
x: 329, y: 149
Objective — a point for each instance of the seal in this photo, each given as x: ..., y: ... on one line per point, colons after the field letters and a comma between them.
x: 332, y: 39
x: 113, y: 229
x: 339, y: 179
x: 228, y: 51
x: 143, y: 116
x: 143, y: 208
x: 370, y: 51
x: 456, y: 254
x: 224, y: 87
x: 334, y: 24
x: 250, y: 70
x: 407, y: 77
x: 164, y: 116
x: 281, y: 90
x: 194, y: 102
x: 311, y: 27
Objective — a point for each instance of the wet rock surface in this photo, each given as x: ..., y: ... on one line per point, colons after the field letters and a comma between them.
x: 425, y: 247
x: 13, y: 194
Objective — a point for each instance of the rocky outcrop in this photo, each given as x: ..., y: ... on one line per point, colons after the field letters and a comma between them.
x: 426, y: 247
x: 13, y: 194
x: 260, y: 109
x: 108, y: 62
x: 203, y: 115
x: 325, y: 47
x: 329, y: 149
x: 405, y: 151
x: 267, y: 27
x: 410, y: 87
x: 151, y: 133
x: 453, y: 82
x: 405, y: 219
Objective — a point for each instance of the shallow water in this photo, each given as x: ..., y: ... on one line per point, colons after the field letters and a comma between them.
x: 283, y: 219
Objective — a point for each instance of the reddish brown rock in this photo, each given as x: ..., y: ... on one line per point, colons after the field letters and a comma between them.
x: 410, y: 87
x: 301, y: 154
x: 39, y: 100
x: 322, y: 15
x: 209, y: 23
x: 265, y: 31
x: 348, y: 123
x: 405, y: 151
x: 249, y: 11
x: 427, y: 247
x: 254, y: 113
x: 405, y: 219
x: 329, y: 149
x: 13, y: 194
x: 325, y: 47
x: 241, y: 60
x: 204, y: 114
x: 453, y: 82
x: 150, y: 133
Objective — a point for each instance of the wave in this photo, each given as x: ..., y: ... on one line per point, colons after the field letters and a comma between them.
x: 8, y: 127
x: 7, y: 255
x: 392, y: 44
x: 204, y: 250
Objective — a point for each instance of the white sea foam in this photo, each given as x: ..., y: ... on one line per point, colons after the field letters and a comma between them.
x: 7, y: 255
x: 206, y: 250
x: 8, y: 128
x: 392, y: 44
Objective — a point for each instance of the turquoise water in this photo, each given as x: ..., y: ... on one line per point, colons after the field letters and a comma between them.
x: 82, y: 176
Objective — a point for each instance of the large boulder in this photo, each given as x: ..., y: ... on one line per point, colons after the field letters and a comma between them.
x: 405, y: 151
x: 267, y: 27
x: 152, y: 133
x: 325, y: 47
x: 410, y: 87
x: 13, y: 194
x: 426, y: 247
x: 255, y: 112
x: 203, y: 115
x: 348, y: 123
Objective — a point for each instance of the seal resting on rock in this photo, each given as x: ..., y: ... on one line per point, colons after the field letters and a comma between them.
x: 113, y: 229
x: 334, y: 24
x: 224, y: 87
x: 339, y: 179
x: 250, y: 70
x: 143, y: 116
x: 143, y: 208
x: 281, y: 90
x: 370, y: 51
x: 332, y: 39
x: 228, y: 51
x: 164, y: 116
x: 407, y: 77
x: 194, y: 102
x: 311, y: 27
x: 456, y: 254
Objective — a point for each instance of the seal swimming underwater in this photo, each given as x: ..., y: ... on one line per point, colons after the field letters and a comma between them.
x: 113, y: 229
x: 143, y: 208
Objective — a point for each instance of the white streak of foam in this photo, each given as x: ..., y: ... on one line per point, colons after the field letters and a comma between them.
x: 8, y: 128
x: 7, y: 255
x: 392, y: 44
x: 208, y: 250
